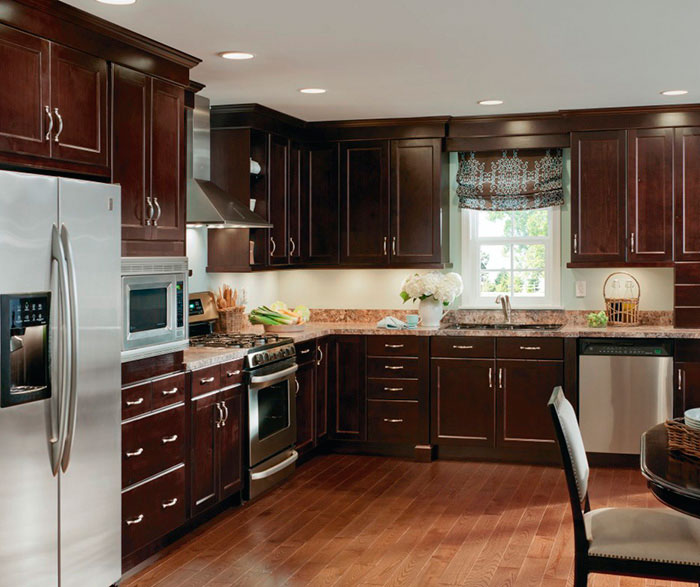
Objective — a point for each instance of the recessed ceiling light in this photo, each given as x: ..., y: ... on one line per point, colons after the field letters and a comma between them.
x: 119, y: 2
x: 312, y: 91
x: 490, y: 102
x: 674, y: 92
x: 237, y: 55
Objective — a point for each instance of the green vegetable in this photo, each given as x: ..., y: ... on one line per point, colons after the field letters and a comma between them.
x: 264, y: 315
x: 597, y: 319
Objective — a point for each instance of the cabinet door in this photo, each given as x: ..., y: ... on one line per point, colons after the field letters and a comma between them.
x: 687, y: 196
x: 463, y: 402
x: 203, y: 453
x: 347, y: 387
x: 306, y: 406
x: 131, y: 111
x: 364, y: 203
x: 322, y: 390
x: 320, y: 204
x: 597, y: 196
x: 415, y: 201
x: 231, y: 443
x: 168, y: 161
x: 524, y: 388
x: 277, y: 169
x: 79, y: 103
x: 687, y: 394
x: 24, y: 93
x: 650, y: 194
x: 295, y: 202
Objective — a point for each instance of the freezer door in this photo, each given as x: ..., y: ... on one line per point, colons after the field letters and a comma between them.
x: 90, y: 507
x: 28, y: 491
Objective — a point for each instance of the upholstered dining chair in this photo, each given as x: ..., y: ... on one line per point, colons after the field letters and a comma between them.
x: 653, y: 543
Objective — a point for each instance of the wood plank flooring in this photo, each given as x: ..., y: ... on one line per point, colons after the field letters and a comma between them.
x: 371, y: 521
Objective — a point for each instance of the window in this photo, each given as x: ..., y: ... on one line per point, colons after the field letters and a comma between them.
x: 515, y: 253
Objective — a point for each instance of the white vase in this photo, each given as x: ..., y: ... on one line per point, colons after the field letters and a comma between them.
x: 431, y: 312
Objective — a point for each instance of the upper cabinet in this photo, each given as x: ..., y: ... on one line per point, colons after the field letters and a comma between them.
x: 278, y: 197
x: 319, y: 211
x: 687, y: 197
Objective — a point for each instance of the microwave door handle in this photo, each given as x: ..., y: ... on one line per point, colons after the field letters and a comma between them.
x: 258, y: 380
x: 73, y: 358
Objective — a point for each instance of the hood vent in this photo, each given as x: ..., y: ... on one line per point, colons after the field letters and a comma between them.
x: 207, y: 203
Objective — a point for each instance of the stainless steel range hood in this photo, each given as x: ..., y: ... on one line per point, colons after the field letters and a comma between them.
x: 207, y: 203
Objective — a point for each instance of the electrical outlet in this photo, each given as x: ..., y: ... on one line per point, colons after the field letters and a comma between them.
x: 580, y: 289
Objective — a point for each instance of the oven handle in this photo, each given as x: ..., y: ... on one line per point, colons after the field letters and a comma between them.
x: 275, y: 469
x: 256, y: 380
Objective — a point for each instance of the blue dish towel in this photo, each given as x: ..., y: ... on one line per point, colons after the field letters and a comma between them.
x: 392, y: 323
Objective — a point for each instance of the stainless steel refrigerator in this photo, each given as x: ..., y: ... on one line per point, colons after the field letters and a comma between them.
x: 60, y: 465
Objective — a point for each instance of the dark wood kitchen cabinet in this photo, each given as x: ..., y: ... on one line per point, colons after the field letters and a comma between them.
x: 278, y: 198
x: 347, y: 388
x: 687, y: 194
x: 686, y: 376
x: 319, y: 217
x: 322, y: 372
x: 295, y: 202
x: 305, y: 403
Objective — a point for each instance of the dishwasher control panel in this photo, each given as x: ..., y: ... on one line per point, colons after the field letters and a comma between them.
x: 627, y: 347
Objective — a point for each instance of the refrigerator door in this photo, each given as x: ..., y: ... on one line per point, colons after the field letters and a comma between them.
x: 90, y: 481
x: 28, y: 491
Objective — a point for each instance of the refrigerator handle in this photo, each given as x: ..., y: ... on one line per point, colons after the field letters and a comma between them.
x: 73, y: 358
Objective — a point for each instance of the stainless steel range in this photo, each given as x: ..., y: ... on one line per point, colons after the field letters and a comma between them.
x: 270, y: 366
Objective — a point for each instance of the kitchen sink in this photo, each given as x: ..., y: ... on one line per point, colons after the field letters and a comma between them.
x: 502, y: 326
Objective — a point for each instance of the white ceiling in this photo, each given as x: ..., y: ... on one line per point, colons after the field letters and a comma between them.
x: 393, y: 58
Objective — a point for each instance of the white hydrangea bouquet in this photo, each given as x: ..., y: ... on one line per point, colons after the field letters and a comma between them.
x: 435, y: 291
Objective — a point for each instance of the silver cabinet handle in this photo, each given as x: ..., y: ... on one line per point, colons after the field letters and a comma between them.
x: 500, y: 377
x: 221, y: 415
x: 575, y: 243
x: 134, y: 402
x: 151, y: 210
x: 48, y: 131
x: 320, y: 355
x: 394, y: 367
x: 393, y: 245
x: 293, y: 246
x: 233, y: 373
x: 296, y: 393
x: 463, y: 346
x: 205, y: 380
x: 137, y: 520
x: 224, y: 407
x: 530, y: 348
x: 168, y: 439
x: 304, y: 351
x: 393, y: 420
x: 393, y: 389
x: 491, y: 377
x: 60, y: 124
x: 170, y: 503
x: 680, y: 379
x: 385, y: 241
x: 632, y: 242
x: 393, y: 346
x: 158, y: 211
x: 136, y: 453
x: 274, y: 246
x: 172, y: 391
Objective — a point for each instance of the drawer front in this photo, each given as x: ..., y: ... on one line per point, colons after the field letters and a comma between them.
x: 152, y: 510
x: 306, y: 351
x: 392, y: 421
x: 168, y: 391
x: 152, y: 444
x: 462, y: 347
x: 387, y: 346
x: 392, y: 389
x: 530, y: 348
x: 393, y: 367
x: 231, y: 373
x: 136, y: 400
x: 206, y: 380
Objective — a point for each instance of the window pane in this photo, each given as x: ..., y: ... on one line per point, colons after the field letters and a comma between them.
x: 495, y: 282
x: 494, y: 223
x: 528, y: 283
x: 528, y: 257
x: 531, y: 223
x: 494, y: 256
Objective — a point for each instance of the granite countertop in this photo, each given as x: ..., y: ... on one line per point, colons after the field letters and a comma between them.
x: 197, y: 358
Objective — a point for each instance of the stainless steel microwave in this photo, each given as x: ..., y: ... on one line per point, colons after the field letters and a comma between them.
x: 154, y: 290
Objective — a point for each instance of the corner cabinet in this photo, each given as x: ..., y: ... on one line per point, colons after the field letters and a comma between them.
x: 347, y: 388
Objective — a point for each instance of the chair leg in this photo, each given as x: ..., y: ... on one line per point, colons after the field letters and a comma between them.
x: 580, y: 573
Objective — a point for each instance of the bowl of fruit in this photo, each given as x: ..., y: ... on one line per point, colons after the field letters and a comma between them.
x: 278, y: 317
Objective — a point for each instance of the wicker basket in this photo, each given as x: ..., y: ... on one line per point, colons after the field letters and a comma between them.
x: 622, y: 311
x: 683, y: 439
x: 231, y: 320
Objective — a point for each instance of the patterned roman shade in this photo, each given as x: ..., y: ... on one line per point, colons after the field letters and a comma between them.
x: 510, y: 180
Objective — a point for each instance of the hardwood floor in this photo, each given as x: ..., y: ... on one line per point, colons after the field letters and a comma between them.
x: 370, y: 521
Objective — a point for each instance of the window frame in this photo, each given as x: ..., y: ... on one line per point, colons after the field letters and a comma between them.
x: 471, y: 266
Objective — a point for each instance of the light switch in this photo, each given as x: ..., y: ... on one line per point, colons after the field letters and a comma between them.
x: 580, y: 289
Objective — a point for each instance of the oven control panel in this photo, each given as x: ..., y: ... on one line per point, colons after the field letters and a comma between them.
x: 264, y: 356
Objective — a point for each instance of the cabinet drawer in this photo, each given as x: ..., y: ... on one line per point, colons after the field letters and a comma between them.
x: 392, y: 421
x: 393, y: 367
x: 306, y: 351
x: 392, y: 389
x: 406, y: 346
x: 153, y: 509
x: 206, y: 380
x: 462, y: 346
x: 231, y: 372
x: 136, y: 400
x: 168, y: 391
x: 530, y: 348
x: 152, y: 444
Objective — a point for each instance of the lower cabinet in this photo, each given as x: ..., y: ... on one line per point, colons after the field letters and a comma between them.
x: 347, y: 388
x: 312, y: 394
x: 686, y: 376
x: 305, y: 406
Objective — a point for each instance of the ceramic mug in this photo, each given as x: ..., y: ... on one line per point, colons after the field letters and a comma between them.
x: 412, y: 320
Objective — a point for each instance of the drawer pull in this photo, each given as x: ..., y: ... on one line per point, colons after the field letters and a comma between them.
x: 393, y: 367
x: 393, y: 389
x: 233, y: 373
x: 393, y: 420
x: 167, y: 439
x: 304, y: 351
x: 134, y: 402
x: 530, y: 348
x: 205, y: 380
x: 136, y: 453
x: 170, y: 503
x: 463, y: 346
x: 137, y: 520
x: 172, y: 391
x: 393, y: 346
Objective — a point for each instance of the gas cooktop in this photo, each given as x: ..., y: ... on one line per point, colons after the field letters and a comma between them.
x: 263, y: 349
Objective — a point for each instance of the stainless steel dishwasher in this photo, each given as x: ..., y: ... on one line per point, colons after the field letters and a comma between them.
x: 625, y: 387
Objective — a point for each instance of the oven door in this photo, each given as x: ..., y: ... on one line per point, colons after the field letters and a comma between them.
x: 272, y: 410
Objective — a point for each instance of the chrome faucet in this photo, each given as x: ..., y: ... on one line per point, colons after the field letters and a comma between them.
x: 504, y: 300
